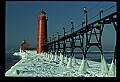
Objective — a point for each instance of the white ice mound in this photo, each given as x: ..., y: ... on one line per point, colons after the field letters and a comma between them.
x: 56, y: 58
x: 66, y: 60
x: 112, y: 70
x: 104, y: 66
x: 61, y: 59
x: 83, y: 66
x: 15, y: 54
x: 52, y: 57
x: 74, y: 61
x: 70, y: 62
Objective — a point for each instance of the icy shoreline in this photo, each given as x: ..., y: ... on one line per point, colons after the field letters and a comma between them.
x: 49, y: 65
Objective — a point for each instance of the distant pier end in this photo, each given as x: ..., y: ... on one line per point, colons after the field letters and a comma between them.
x: 42, y: 31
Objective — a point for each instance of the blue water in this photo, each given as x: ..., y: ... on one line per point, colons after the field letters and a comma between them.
x: 10, y: 60
x: 95, y: 56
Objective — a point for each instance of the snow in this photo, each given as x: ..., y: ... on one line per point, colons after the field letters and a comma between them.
x: 49, y: 65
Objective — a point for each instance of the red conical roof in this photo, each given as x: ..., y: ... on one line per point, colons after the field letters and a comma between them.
x: 24, y: 45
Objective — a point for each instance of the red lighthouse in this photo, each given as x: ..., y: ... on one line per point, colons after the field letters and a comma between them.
x: 42, y: 31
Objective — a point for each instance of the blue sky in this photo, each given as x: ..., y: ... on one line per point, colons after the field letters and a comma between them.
x: 21, y: 20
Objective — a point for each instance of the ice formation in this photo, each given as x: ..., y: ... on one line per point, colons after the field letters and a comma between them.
x: 53, y: 65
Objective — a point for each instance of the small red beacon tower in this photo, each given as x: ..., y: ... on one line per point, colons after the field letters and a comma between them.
x: 24, y: 45
x: 42, y: 31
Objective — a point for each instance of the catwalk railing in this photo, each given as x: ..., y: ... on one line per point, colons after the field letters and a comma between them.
x: 93, y: 29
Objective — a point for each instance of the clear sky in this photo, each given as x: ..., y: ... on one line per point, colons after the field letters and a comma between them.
x: 21, y: 20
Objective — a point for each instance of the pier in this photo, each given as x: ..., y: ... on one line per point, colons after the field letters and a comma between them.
x: 51, y: 52
x: 75, y: 39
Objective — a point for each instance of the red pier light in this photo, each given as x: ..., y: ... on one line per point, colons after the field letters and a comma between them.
x: 42, y: 31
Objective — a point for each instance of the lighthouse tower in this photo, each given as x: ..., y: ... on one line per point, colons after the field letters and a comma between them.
x: 42, y: 31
